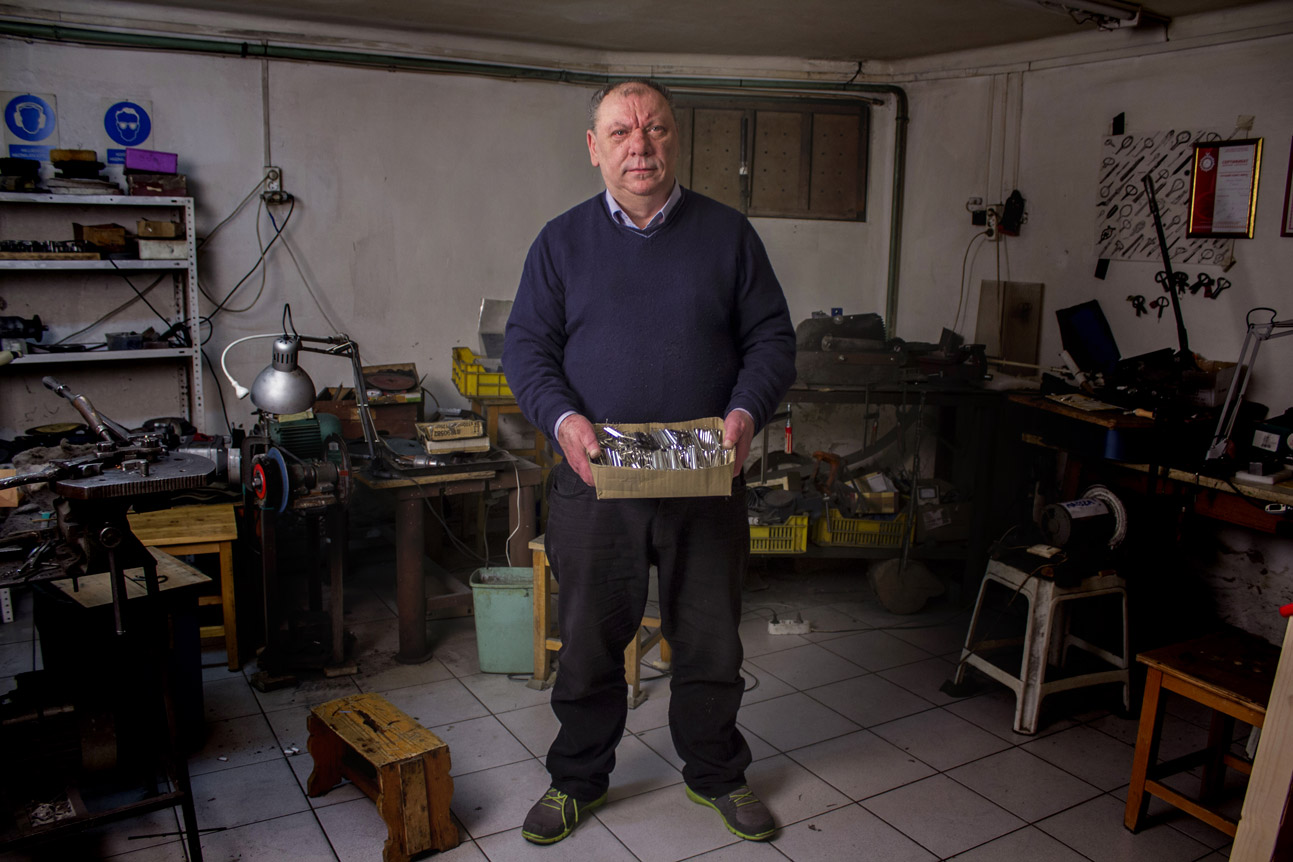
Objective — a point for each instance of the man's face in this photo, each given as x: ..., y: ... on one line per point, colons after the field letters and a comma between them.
x: 635, y: 144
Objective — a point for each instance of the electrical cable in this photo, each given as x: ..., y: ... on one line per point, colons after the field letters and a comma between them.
x: 517, y: 472
x: 170, y: 327
x: 201, y: 241
x: 458, y: 543
x: 964, y: 261
x: 206, y: 363
x: 260, y: 245
x: 113, y: 312
x: 219, y: 306
x: 305, y: 281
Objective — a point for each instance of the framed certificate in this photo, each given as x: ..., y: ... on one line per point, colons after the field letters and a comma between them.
x: 1286, y: 224
x: 1223, y: 188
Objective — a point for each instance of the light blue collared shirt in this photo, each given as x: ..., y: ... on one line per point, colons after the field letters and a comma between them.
x: 621, y: 217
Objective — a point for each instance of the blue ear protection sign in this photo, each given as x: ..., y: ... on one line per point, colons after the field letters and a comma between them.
x: 29, y: 120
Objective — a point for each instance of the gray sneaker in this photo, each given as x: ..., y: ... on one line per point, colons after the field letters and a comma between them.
x: 742, y: 812
x: 555, y: 816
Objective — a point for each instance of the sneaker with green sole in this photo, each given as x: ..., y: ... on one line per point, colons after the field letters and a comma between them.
x: 555, y: 816
x: 742, y: 812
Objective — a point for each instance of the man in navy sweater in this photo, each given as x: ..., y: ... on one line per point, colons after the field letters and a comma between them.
x: 648, y: 303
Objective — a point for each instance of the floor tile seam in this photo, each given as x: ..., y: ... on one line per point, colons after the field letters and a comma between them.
x: 1037, y: 823
x: 1066, y: 770
x: 861, y: 672
x: 916, y: 841
x: 960, y: 853
x: 314, y: 812
x: 879, y: 724
x: 1096, y: 791
x: 232, y: 827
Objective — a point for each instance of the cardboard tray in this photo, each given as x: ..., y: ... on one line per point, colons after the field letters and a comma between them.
x: 619, y: 483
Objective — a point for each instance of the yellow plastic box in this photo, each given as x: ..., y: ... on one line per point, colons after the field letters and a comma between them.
x: 788, y: 538
x: 835, y: 529
x: 473, y: 381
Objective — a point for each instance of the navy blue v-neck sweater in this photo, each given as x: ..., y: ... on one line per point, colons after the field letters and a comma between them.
x: 684, y: 321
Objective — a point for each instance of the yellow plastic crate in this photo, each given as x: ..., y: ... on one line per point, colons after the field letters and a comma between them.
x: 788, y: 538
x: 835, y: 529
x: 473, y: 381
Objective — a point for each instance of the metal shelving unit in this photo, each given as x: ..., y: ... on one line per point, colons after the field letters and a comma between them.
x: 188, y: 359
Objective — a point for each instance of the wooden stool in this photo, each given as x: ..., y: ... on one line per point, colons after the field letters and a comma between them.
x: 1229, y: 671
x: 1046, y: 640
x: 200, y: 530
x: 545, y: 643
x: 398, y: 763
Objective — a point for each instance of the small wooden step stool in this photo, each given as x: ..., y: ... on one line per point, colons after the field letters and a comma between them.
x: 398, y: 763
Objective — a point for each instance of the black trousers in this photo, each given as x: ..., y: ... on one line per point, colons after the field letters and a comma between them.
x: 601, y: 552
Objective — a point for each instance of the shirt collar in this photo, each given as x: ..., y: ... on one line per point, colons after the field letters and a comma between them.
x: 621, y: 217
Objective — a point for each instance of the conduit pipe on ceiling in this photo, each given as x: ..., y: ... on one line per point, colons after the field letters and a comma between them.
x: 395, y: 62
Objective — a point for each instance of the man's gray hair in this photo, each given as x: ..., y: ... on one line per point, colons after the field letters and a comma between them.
x: 632, y: 85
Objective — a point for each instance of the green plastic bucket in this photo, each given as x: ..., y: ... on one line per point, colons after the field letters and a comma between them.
x: 504, y: 601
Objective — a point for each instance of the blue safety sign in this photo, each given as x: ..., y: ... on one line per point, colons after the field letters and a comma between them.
x: 29, y: 118
x: 127, y: 124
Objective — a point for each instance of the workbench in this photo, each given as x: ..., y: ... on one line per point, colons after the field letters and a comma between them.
x: 411, y: 495
x: 968, y: 434
x: 1150, y: 464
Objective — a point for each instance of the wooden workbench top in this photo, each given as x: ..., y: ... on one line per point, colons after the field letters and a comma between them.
x: 186, y: 525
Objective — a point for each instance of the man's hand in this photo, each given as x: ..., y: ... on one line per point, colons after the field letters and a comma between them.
x: 738, y: 431
x: 579, y: 443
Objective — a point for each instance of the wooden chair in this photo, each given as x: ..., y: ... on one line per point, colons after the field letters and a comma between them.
x: 398, y: 763
x: 1231, y: 672
x: 546, y: 643
x: 200, y: 530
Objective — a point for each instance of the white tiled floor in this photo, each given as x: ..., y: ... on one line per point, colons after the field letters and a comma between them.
x: 857, y: 752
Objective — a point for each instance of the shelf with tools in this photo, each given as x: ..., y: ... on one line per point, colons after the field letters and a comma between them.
x: 71, y: 294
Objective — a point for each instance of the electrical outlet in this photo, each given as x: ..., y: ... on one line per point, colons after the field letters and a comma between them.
x: 993, y: 232
x: 273, y: 192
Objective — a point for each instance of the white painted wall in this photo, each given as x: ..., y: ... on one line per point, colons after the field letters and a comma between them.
x: 1066, y: 111
x: 418, y: 194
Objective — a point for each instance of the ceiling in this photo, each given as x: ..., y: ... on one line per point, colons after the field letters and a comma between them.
x: 848, y: 30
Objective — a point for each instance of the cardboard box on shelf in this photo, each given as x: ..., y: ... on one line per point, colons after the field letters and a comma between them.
x: 158, y: 185
x: 614, y: 483
x: 110, y: 236
x: 158, y: 229
x: 163, y: 249
x: 397, y: 420
x: 451, y: 429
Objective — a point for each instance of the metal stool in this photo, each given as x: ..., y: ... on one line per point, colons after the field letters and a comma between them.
x: 1046, y: 640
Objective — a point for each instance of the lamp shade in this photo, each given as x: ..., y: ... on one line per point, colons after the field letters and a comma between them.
x: 283, y: 387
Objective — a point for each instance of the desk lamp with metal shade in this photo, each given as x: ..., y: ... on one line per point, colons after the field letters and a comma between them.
x: 283, y: 389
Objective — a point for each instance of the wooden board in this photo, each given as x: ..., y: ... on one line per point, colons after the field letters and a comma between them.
x: 186, y: 525
x: 49, y: 255
x: 1264, y: 827
x: 93, y: 591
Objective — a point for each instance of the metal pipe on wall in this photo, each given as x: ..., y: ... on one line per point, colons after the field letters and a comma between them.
x: 264, y: 51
